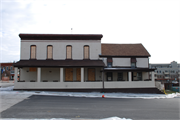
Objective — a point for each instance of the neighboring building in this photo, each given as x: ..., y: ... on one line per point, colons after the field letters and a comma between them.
x: 166, y: 73
x: 7, y: 70
x: 80, y: 62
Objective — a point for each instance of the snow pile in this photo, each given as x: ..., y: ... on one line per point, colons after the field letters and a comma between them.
x: 115, y: 118
x: 9, y: 90
x: 111, y: 118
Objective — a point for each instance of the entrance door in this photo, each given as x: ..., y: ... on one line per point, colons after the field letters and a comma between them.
x: 91, y: 74
x: 69, y: 74
x: 78, y: 74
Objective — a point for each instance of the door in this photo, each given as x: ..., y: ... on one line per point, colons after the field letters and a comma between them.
x: 69, y: 74
x: 78, y: 74
x: 91, y: 74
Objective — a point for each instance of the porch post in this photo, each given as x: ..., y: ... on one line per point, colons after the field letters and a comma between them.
x: 15, y: 74
x: 38, y: 74
x: 82, y: 74
x: 61, y: 74
x: 130, y: 76
x: 103, y: 80
x: 152, y: 75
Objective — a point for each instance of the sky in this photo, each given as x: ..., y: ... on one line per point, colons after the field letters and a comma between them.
x: 154, y: 23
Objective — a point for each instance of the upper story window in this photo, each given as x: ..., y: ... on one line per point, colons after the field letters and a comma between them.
x: 49, y: 52
x: 86, y: 52
x: 69, y: 52
x: 109, y: 62
x: 33, y: 52
x: 133, y: 62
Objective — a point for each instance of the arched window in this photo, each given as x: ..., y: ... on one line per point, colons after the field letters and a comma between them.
x: 33, y: 52
x: 86, y: 52
x: 49, y: 52
x: 68, y: 52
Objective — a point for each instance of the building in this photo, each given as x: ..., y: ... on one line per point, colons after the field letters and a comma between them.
x: 80, y: 62
x: 7, y: 70
x: 166, y: 73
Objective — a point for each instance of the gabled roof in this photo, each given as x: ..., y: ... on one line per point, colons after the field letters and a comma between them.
x: 60, y: 36
x: 123, y: 50
x: 59, y: 63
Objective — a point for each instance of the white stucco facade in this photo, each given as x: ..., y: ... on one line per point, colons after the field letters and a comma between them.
x: 59, y: 48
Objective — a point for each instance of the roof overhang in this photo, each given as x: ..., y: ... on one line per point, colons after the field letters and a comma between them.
x: 60, y: 36
x: 123, y: 56
x: 129, y: 69
x: 59, y: 63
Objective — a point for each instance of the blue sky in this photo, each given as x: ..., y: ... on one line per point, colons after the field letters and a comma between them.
x: 154, y: 23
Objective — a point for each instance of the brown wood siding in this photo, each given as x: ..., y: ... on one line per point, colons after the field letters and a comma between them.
x: 68, y: 74
x: 78, y: 74
x: 69, y: 52
x: 91, y: 74
x: 32, y: 69
x: 49, y: 52
x: 86, y: 52
x: 33, y: 52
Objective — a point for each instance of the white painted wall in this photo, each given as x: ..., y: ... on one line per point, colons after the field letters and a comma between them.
x: 50, y: 74
x: 142, y: 62
x: 122, y: 62
x: 85, y: 85
x: 59, y: 48
x: 26, y: 75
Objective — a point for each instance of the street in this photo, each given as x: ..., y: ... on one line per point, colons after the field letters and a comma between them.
x: 39, y: 106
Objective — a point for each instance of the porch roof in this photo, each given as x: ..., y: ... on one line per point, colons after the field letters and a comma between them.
x: 59, y: 63
x: 129, y: 69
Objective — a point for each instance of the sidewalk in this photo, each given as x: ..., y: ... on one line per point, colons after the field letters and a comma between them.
x: 6, y: 83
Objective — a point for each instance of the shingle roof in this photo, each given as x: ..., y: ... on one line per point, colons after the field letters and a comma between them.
x: 60, y: 36
x: 123, y: 50
x: 59, y: 63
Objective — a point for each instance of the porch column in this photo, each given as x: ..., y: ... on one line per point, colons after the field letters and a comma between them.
x: 130, y: 76
x: 15, y: 74
x: 103, y: 80
x: 61, y: 74
x: 82, y: 74
x: 152, y: 75
x: 38, y: 74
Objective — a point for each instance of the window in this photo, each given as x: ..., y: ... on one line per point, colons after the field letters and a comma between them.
x: 139, y: 76
x: 49, y: 52
x: 133, y: 62
x: 86, y: 52
x: 11, y: 68
x: 120, y: 76
x: 7, y: 68
x: 109, y: 62
x: 69, y: 52
x: 109, y: 76
x: 33, y: 52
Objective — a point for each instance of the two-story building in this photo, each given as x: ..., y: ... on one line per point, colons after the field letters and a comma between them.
x: 80, y: 62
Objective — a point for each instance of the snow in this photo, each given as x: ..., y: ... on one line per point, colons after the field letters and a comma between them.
x: 9, y: 90
x: 111, y: 118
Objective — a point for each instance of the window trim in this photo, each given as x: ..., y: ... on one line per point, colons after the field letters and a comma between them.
x: 71, y: 51
x: 88, y: 52
x: 34, y: 52
x: 47, y: 51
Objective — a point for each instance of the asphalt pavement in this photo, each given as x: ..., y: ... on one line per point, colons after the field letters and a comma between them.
x: 38, y: 106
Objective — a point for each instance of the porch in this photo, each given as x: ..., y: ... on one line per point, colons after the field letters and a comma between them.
x: 80, y: 78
